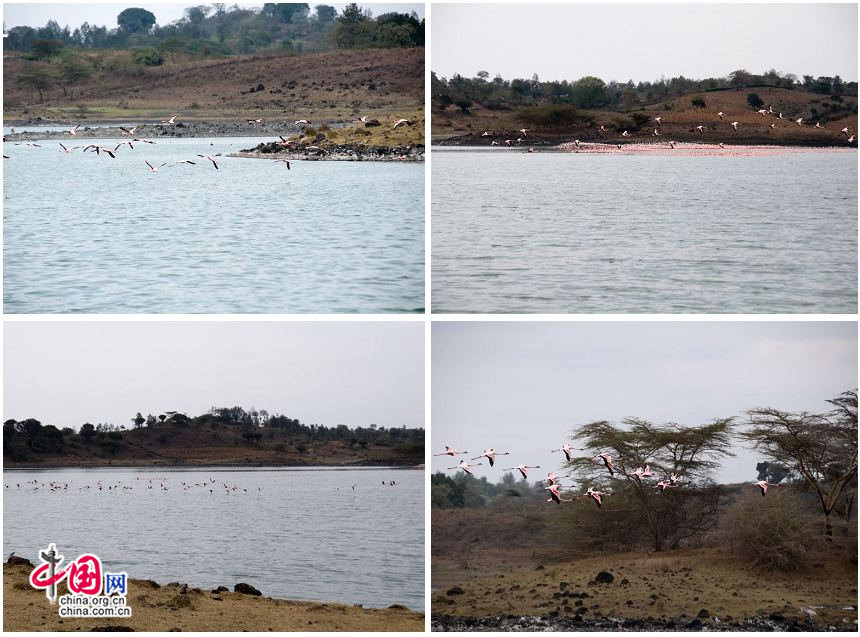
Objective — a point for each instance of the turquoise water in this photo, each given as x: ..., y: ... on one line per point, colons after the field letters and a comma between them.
x: 566, y: 233
x: 86, y: 233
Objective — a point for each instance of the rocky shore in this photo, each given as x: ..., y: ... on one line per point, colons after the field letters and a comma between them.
x: 178, y: 607
x: 334, y: 152
x: 579, y: 623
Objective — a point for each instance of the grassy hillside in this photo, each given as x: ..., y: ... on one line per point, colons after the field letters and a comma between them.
x: 323, y: 87
x: 680, y: 117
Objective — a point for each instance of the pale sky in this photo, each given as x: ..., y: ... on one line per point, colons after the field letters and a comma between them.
x: 36, y: 14
x: 523, y: 387
x: 642, y: 41
x: 354, y: 373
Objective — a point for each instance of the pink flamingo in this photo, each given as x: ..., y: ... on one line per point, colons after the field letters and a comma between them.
x: 597, y: 496
x: 465, y: 466
x: 763, y: 485
x: 490, y: 455
x: 522, y: 468
x: 663, y: 485
x: 450, y: 451
x: 552, y: 478
x: 566, y: 449
x: 555, y: 495
x: 607, y: 462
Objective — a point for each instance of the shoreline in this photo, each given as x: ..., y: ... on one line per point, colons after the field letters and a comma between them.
x: 655, y: 148
x: 179, y: 607
x: 207, y: 464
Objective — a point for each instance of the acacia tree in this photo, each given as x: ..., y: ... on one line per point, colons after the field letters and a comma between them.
x: 691, y: 453
x: 821, y: 448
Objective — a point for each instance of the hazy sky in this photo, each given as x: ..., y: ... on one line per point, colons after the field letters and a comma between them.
x: 522, y: 387
x: 36, y: 14
x: 643, y: 41
x: 356, y: 373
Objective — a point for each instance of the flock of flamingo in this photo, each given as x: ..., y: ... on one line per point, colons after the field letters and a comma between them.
x: 658, y: 120
x: 551, y: 482
x: 285, y: 142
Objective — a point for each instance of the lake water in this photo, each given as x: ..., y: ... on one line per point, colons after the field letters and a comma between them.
x: 299, y: 538
x: 86, y: 233
x: 564, y: 232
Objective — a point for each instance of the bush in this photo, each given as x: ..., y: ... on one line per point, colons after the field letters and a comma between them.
x: 698, y: 102
x: 551, y: 115
x: 147, y: 57
x: 755, y: 101
x: 773, y: 532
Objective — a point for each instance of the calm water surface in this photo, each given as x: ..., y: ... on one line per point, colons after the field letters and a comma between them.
x: 298, y: 538
x: 564, y: 232
x: 84, y: 233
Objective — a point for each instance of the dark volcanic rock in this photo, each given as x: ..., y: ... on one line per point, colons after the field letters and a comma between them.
x: 246, y: 589
x: 15, y: 560
x: 604, y: 577
x: 455, y: 590
x: 703, y: 614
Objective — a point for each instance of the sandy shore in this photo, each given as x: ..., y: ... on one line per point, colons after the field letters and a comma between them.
x: 180, y: 608
x: 696, y: 149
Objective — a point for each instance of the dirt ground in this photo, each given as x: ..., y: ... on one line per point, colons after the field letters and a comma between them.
x: 168, y: 608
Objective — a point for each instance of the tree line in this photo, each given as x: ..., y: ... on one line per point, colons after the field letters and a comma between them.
x: 24, y: 439
x: 216, y: 29
x: 593, y: 93
x: 815, y: 454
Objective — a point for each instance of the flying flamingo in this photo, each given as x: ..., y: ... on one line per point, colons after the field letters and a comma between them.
x: 763, y: 485
x: 450, y: 451
x: 555, y: 496
x: 210, y: 159
x: 128, y: 131
x: 182, y: 161
x: 67, y: 150
x: 845, y: 131
x: 302, y: 122
x: 721, y: 114
x: 625, y: 134
x: 663, y: 485
x: 487, y: 133
x: 551, y: 478
x: 818, y: 125
x: 566, y: 449
x: 465, y: 466
x: 799, y: 121
x: 494, y: 143
x: 597, y: 496
x: 701, y: 129
x: 763, y: 113
x: 522, y: 468
x: 642, y: 472
x: 255, y: 121
x: 735, y: 126
x: 171, y: 121
x: 73, y: 131
x: 286, y: 161
x: 658, y: 120
x: 490, y: 455
x: 152, y: 168
x: 401, y: 122
x: 524, y: 131
x: 607, y: 461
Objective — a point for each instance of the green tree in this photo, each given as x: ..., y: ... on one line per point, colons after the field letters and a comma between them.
x: 325, y: 14
x: 46, y: 48
x: 755, y: 101
x: 821, y: 448
x: 37, y: 76
x: 74, y: 69
x: 138, y: 420
x: 689, y: 452
x: 135, y: 20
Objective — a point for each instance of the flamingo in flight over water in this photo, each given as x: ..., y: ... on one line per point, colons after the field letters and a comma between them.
x: 450, y: 451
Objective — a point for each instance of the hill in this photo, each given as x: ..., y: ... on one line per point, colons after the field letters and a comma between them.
x: 228, y: 436
x: 551, y: 122
x: 327, y: 87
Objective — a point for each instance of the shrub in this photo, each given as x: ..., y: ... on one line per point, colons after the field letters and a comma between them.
x: 698, y: 102
x: 755, y: 101
x: 549, y: 116
x: 773, y: 532
x: 148, y: 57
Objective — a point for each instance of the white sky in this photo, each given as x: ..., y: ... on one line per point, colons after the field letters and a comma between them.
x: 355, y: 373
x: 36, y: 14
x: 523, y: 387
x: 643, y: 41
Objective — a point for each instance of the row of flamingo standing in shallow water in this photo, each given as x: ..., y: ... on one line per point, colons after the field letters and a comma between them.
x: 699, y: 129
x: 553, y: 486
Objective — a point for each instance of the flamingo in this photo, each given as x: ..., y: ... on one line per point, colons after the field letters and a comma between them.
x: 524, y: 131
x: 551, y: 478
x: 701, y: 129
x: 655, y: 132
x: 487, y: 133
x: 143, y: 141
x: 450, y: 451
x: 772, y: 125
x: 735, y: 126
x: 465, y: 466
x: 171, y: 121
x: 672, y: 144
x: 625, y: 134
x: 182, y: 161
x: 597, y: 496
x: 663, y: 485
x: 845, y: 131
x: 658, y: 120
x: 607, y: 461
x: 720, y: 114
x: 576, y: 143
x: 210, y: 159
x: 508, y: 142
x: 285, y: 161
x: 73, y: 131
x: 116, y: 148
x: 602, y: 128
x: 818, y: 125
x: 555, y: 495
x: 763, y: 485
x: 522, y: 468
x: 799, y: 121
x: 401, y: 122
x: 642, y: 472
x: 255, y: 121
x: 494, y: 143
x: 763, y: 113
x: 851, y: 139
x: 128, y: 131
x: 566, y: 449
x: 780, y: 115
x: 152, y: 168
x: 722, y: 145
x: 67, y: 150
x: 490, y: 455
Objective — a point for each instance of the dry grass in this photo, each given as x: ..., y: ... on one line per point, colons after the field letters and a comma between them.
x: 324, y: 87
x: 165, y: 609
